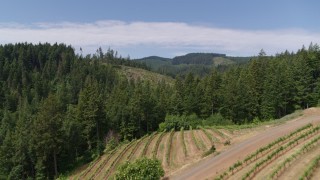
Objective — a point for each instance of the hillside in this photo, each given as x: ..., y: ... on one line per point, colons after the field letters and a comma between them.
x: 58, y: 109
x: 154, y: 62
x: 142, y: 74
x: 222, y: 61
x: 197, y: 63
x: 196, y: 58
x: 181, y: 152
x: 288, y: 151
x: 168, y: 147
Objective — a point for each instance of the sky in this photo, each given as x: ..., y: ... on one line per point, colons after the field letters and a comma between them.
x: 167, y: 28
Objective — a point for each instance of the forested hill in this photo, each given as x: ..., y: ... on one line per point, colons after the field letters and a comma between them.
x: 196, y: 58
x: 196, y: 63
x: 58, y: 110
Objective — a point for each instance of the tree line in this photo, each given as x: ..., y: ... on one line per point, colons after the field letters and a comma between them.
x: 59, y: 109
x: 267, y: 87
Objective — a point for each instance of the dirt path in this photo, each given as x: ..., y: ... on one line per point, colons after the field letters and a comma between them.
x: 214, y: 165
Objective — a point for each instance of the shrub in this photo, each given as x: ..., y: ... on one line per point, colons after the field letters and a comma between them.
x: 183, y: 142
x: 216, y: 119
x: 210, y: 151
x: 149, y: 169
x: 162, y: 127
x: 185, y: 121
x: 111, y: 145
x: 227, y: 142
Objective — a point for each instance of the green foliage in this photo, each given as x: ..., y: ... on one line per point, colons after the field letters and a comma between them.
x: 196, y: 58
x: 116, y: 161
x: 100, y: 167
x: 209, y: 136
x: 186, y: 121
x: 47, y: 134
x: 307, y: 147
x: 219, y: 132
x: 227, y: 143
x: 111, y: 145
x: 155, y: 150
x: 196, y: 63
x: 154, y: 62
x: 90, y: 111
x: 210, y: 151
x: 168, y: 151
x: 136, y: 73
x: 280, y: 150
x: 195, y: 140
x: 311, y: 168
x: 216, y: 119
x: 143, y: 168
x: 145, y: 148
x: 177, y: 122
x: 89, y: 168
x: 134, y: 109
x: 254, y: 156
x: 183, y: 142
x: 56, y: 107
x: 111, y: 57
x: 137, y: 146
x: 163, y: 127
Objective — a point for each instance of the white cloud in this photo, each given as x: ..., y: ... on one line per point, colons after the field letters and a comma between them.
x: 172, y: 36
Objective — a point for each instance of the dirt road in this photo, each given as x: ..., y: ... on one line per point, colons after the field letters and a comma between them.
x: 211, y: 167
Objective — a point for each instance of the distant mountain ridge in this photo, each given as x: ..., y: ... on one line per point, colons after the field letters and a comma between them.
x: 197, y: 63
x: 196, y: 58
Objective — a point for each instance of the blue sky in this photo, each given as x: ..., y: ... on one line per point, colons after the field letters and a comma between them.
x: 164, y: 27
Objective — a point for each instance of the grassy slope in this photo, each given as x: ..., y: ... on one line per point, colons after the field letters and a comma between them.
x: 154, y: 62
x: 222, y: 61
x: 136, y: 73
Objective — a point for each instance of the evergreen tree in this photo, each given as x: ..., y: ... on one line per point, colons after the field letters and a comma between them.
x: 48, y: 136
x: 90, y: 112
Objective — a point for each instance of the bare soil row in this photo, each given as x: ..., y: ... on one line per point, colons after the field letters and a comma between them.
x: 106, y: 165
